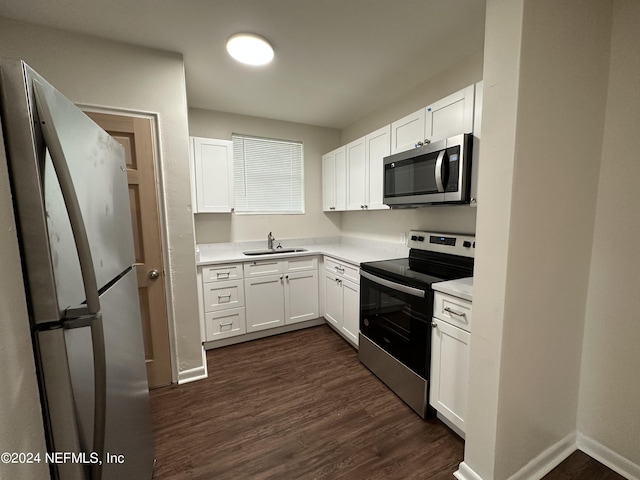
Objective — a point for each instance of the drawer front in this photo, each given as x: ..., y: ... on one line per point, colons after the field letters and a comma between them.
x: 345, y: 270
x: 300, y: 264
x: 263, y: 267
x: 225, y: 323
x: 221, y: 273
x: 223, y: 295
x: 453, y: 310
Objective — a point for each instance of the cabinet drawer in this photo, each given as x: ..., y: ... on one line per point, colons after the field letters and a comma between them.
x: 262, y: 267
x: 221, y: 273
x: 346, y: 270
x: 300, y: 264
x: 225, y: 323
x: 453, y: 310
x: 223, y: 295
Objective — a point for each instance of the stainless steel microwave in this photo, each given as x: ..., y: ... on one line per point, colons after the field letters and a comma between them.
x: 434, y: 174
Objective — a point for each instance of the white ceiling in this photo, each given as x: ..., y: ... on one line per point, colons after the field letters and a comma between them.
x: 336, y: 60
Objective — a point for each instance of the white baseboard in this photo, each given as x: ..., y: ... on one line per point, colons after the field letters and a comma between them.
x: 465, y: 472
x: 549, y: 459
x: 608, y: 457
x: 193, y: 374
x: 537, y: 468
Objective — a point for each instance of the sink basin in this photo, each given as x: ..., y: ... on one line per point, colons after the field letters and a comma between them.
x: 273, y: 251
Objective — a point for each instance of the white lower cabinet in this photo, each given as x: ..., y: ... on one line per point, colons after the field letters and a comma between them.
x: 225, y: 323
x: 342, y: 298
x: 274, y: 300
x: 450, y: 341
x: 221, y: 293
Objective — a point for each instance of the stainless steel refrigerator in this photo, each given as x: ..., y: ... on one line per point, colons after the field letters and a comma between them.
x: 71, y: 199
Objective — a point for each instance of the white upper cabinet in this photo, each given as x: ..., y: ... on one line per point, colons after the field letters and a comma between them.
x: 407, y: 132
x: 449, y: 116
x: 212, y: 175
x: 365, y: 170
x: 356, y: 175
x: 377, y: 146
x: 334, y: 181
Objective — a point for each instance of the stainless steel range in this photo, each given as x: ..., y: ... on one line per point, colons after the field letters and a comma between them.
x: 396, y: 305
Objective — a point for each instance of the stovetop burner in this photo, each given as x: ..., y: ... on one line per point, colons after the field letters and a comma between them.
x: 429, y: 260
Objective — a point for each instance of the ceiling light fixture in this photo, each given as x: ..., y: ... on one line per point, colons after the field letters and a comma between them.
x: 250, y: 49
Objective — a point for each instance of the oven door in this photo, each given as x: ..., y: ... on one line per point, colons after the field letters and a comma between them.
x: 397, y: 318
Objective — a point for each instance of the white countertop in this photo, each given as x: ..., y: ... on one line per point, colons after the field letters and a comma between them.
x: 349, y: 250
x: 461, y: 288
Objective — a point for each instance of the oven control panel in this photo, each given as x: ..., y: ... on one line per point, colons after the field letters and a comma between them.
x: 452, y: 243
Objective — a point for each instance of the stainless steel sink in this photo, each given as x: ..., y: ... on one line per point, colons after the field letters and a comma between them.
x: 273, y: 251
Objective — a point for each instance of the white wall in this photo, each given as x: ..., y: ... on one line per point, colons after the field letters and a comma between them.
x: 215, y: 227
x: 388, y: 225
x: 545, y: 90
x: 610, y: 382
x: 20, y: 414
x: 95, y: 72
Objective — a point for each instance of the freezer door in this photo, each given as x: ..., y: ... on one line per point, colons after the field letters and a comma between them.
x: 98, y: 171
x: 128, y: 435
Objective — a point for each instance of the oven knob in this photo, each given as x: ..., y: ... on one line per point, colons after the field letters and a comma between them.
x: 466, y: 244
x: 414, y: 238
x: 366, y: 322
x: 421, y: 239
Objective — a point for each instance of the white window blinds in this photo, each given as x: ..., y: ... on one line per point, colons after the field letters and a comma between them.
x: 268, y: 175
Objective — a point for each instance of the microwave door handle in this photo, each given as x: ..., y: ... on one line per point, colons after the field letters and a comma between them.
x: 440, y: 170
x: 94, y: 317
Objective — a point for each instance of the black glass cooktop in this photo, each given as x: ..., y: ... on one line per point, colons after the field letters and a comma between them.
x: 421, y: 268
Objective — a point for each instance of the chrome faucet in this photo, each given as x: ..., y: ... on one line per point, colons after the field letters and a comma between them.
x: 270, y: 239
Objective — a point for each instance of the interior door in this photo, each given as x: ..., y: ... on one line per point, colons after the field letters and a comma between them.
x: 135, y: 135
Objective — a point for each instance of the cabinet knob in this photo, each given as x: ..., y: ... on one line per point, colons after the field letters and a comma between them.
x: 427, y: 141
x: 434, y: 324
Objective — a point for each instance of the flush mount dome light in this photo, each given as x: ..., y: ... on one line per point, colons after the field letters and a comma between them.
x: 250, y: 49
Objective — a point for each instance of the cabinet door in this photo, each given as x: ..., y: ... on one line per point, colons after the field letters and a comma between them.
x: 332, y: 300
x: 407, y: 131
x: 378, y: 146
x: 213, y: 175
x: 329, y: 182
x: 449, y: 372
x: 341, y: 178
x: 351, y: 310
x: 450, y: 116
x: 356, y: 175
x: 301, y: 296
x: 264, y: 300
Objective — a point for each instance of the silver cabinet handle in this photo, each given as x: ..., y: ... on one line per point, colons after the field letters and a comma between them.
x: 222, y: 274
x: 455, y: 312
x: 224, y: 295
x: 340, y: 269
x: 226, y: 324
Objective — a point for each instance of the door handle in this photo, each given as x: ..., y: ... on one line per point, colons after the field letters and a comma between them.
x: 153, y: 274
x: 439, y: 171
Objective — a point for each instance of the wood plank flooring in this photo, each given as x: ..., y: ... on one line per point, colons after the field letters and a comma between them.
x: 300, y: 406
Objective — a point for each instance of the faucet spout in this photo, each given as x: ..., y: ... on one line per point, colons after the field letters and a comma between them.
x: 270, y: 239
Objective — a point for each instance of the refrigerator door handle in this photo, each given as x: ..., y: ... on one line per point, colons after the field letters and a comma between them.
x: 56, y: 152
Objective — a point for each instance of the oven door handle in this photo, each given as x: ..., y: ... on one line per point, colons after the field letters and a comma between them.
x: 416, y: 292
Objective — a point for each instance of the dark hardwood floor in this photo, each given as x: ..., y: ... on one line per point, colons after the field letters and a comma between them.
x: 301, y: 406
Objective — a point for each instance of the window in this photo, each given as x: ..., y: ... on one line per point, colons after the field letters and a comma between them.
x: 268, y: 175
